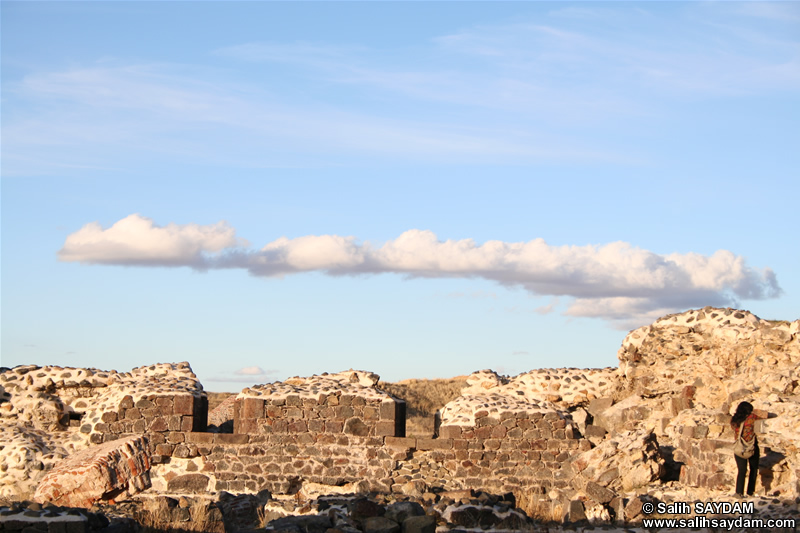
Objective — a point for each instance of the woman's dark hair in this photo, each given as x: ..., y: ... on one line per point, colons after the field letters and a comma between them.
x: 743, y: 410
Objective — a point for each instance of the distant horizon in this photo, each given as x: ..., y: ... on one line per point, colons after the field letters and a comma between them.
x: 417, y: 189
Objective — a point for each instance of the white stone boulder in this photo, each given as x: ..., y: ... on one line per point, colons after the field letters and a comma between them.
x: 110, y: 471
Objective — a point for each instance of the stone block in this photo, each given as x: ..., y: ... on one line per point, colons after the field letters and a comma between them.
x: 598, y: 493
x: 191, y: 483
x: 434, y: 444
x: 174, y: 423
x: 316, y: 425
x: 401, y: 442
x: 595, y: 431
x: 187, y: 423
x: 157, y: 425
x: 252, y: 408
x: 165, y: 449
x: 385, y: 428
x: 181, y: 451
x: 344, y: 411
x: 305, y: 439
x: 499, y: 432
x: 165, y: 407
x: 183, y: 404
x: 597, y: 406
x: 297, y: 426
x: 174, y: 437
x: 293, y: 400
x: 334, y: 426
x: 293, y: 413
x: 200, y: 438
x: 231, y: 438
x: 387, y: 410
x: 575, y: 511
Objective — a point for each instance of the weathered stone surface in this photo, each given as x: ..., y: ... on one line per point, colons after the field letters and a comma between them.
x: 356, y: 426
x: 575, y: 511
x: 301, y: 524
x: 191, y: 483
x: 362, y: 508
x: 471, y: 516
x: 634, y: 454
x: 108, y: 471
x: 598, y: 493
x: 379, y: 524
x: 400, y: 511
x: 717, y: 351
x: 220, y: 419
x: 419, y: 524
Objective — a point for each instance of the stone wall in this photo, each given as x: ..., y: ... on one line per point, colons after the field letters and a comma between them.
x: 157, y: 415
x: 706, y: 457
x: 331, y: 413
x: 705, y: 452
x: 500, y: 459
x: 50, y: 412
x: 509, y: 453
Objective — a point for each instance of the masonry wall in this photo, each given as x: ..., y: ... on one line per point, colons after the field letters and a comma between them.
x: 160, y: 416
x: 341, y: 439
x: 333, y: 413
x: 706, y: 454
x: 515, y: 452
x: 512, y: 453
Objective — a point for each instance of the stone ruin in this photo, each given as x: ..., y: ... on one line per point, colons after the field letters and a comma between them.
x: 588, y: 444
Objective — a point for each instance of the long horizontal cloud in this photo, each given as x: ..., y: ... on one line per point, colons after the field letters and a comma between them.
x: 615, y: 281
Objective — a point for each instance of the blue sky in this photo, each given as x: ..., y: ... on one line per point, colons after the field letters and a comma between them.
x: 417, y: 189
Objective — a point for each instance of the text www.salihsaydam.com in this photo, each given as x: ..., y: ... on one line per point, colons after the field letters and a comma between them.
x: 726, y: 523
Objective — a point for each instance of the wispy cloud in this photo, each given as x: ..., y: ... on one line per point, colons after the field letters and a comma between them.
x: 779, y: 11
x: 529, y: 91
x: 614, y: 281
x: 704, y: 60
x: 86, y: 117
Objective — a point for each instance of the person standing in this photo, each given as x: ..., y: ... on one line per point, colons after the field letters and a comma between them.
x: 743, y: 423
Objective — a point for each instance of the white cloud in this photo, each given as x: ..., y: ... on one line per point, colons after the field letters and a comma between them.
x: 615, y: 281
x: 136, y: 240
x: 250, y: 371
